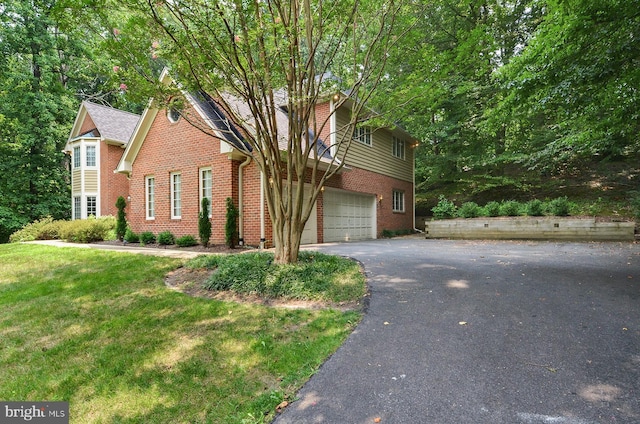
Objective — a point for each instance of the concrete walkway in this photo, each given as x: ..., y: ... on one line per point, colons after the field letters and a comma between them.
x: 173, y: 253
x: 472, y: 332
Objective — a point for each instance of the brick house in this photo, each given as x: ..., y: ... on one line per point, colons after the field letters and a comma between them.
x: 168, y: 166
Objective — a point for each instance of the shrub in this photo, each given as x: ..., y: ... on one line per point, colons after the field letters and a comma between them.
x: 186, y: 241
x: 444, y: 209
x: 130, y: 236
x: 10, y: 222
x: 559, y: 207
x: 121, y: 223
x: 31, y: 231
x: 534, y: 207
x: 469, y: 210
x: 165, y: 238
x: 492, y: 209
x: 87, y: 230
x: 147, y: 237
x: 204, y: 223
x: 510, y: 208
x: 231, y: 225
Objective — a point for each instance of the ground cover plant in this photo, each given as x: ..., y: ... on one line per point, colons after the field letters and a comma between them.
x: 101, y: 330
x: 315, y: 276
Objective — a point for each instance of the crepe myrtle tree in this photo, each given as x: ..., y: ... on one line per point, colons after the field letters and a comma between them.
x: 255, y: 59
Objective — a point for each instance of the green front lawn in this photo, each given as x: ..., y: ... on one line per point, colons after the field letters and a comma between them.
x: 100, y: 330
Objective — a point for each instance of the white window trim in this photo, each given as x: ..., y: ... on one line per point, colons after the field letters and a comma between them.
x: 395, y: 147
x: 147, y: 209
x: 210, y: 197
x: 86, y: 202
x: 76, y: 157
x: 362, y: 133
x: 86, y: 156
x: 402, y: 206
x: 77, y: 207
x: 174, y: 192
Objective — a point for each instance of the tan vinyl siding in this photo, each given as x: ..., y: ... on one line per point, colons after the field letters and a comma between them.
x: 91, y: 181
x: 76, y: 186
x: 378, y: 157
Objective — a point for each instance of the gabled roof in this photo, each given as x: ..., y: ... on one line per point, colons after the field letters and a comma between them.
x: 112, y: 125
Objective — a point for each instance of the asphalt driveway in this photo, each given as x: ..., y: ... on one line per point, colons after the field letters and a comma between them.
x: 486, y: 332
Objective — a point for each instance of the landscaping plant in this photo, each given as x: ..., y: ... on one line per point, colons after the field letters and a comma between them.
x: 121, y: 220
x: 204, y: 223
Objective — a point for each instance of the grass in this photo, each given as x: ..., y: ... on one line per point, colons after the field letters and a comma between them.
x: 101, y: 331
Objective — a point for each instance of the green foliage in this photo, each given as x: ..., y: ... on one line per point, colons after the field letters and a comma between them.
x: 186, y: 241
x: 510, y: 208
x: 492, y: 209
x: 315, y: 277
x: 131, y: 237
x: 231, y: 224
x: 444, y: 209
x: 394, y: 233
x: 37, y: 230
x: 534, y: 207
x: 559, y: 206
x: 166, y: 238
x: 469, y: 210
x: 121, y: 225
x: 87, y: 230
x: 147, y: 237
x: 635, y: 206
x: 204, y: 223
x: 205, y: 262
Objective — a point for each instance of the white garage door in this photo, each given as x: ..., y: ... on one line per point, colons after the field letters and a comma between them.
x: 348, y: 216
x: 310, y: 232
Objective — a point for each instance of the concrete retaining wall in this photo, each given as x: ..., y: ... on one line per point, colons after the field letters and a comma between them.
x: 545, y: 228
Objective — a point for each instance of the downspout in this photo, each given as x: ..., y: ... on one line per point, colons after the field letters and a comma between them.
x: 262, y: 235
x: 241, y: 202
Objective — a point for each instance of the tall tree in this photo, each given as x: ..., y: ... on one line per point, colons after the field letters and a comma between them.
x: 573, y: 93
x: 36, y: 111
x: 266, y: 54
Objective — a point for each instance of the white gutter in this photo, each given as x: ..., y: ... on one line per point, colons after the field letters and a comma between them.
x: 240, y: 201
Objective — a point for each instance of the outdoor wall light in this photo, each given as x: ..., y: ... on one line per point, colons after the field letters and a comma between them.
x: 336, y: 97
x: 128, y: 199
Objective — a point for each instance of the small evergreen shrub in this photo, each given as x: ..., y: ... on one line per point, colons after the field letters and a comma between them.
x: 510, y: 208
x: 204, y: 223
x: 469, y: 210
x: 165, y: 238
x: 147, y: 237
x: 33, y: 231
x: 444, y: 209
x: 534, y: 207
x: 492, y: 209
x: 131, y: 237
x: 121, y: 220
x: 186, y: 241
x: 559, y: 207
x: 231, y: 225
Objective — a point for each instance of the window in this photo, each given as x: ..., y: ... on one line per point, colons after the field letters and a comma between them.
x: 398, y: 201
x: 205, y: 186
x: 150, y: 197
x: 76, y: 157
x: 398, y: 148
x: 91, y: 155
x: 363, y: 135
x: 176, y: 195
x: 77, y: 206
x: 91, y: 206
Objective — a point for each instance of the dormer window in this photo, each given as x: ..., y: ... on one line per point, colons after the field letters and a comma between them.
x: 173, y: 115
